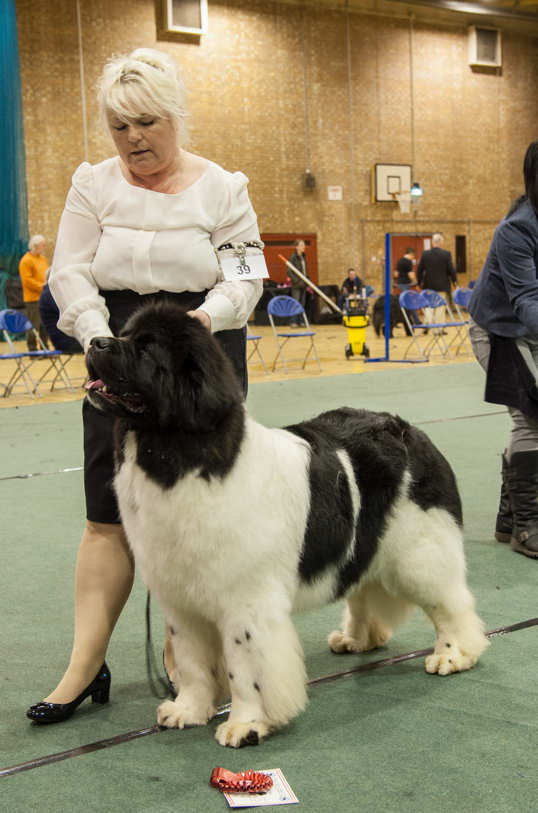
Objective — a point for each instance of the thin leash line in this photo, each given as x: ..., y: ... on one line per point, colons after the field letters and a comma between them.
x: 156, y: 729
x: 40, y: 474
x: 80, y: 468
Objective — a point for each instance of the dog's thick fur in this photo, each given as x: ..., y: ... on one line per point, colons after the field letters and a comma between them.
x: 396, y: 315
x: 235, y: 526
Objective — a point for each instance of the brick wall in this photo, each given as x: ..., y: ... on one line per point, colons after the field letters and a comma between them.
x: 246, y: 97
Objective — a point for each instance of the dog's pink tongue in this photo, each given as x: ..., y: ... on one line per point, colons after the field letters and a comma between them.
x: 94, y: 385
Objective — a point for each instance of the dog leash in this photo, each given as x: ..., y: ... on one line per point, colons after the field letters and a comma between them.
x: 155, y: 679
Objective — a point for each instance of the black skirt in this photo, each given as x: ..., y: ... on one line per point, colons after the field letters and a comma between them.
x: 101, y: 504
x: 509, y: 380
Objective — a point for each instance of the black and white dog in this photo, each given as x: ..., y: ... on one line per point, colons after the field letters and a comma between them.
x: 235, y: 526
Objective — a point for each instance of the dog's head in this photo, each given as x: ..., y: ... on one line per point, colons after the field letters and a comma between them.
x: 165, y: 371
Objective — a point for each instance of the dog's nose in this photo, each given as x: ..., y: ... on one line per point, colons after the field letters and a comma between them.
x: 102, y: 342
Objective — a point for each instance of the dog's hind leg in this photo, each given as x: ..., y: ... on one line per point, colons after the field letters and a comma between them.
x: 266, y: 675
x: 428, y: 568
x: 197, y: 652
x: 369, y: 617
x: 460, y: 638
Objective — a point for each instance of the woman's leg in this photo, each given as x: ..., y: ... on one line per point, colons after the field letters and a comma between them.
x: 103, y: 580
x: 504, y: 521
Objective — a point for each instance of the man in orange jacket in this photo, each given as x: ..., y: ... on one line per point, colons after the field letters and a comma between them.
x: 33, y: 269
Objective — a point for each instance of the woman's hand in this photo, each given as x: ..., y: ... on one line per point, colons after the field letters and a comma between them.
x: 202, y: 317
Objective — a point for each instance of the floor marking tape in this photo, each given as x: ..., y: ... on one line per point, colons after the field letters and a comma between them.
x: 144, y: 732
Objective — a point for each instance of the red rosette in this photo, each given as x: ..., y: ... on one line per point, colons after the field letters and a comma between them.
x: 243, y: 782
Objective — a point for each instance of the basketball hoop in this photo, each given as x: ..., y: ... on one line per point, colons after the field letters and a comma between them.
x: 404, y: 201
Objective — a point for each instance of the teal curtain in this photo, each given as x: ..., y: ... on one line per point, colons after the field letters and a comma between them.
x: 13, y: 194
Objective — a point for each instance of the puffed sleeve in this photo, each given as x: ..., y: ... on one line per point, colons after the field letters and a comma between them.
x: 83, y: 313
x: 229, y: 304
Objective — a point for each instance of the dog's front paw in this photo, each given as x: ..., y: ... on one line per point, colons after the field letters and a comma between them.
x: 176, y: 714
x: 446, y: 663
x: 238, y: 734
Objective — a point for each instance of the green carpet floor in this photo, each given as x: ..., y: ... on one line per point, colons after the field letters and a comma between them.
x: 395, y: 739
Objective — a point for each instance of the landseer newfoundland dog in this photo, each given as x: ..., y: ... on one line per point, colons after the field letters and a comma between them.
x: 235, y: 526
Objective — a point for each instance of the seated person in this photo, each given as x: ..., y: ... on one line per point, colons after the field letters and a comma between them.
x: 351, y: 285
x: 48, y: 310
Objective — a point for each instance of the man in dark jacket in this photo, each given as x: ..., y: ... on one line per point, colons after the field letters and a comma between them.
x: 298, y: 259
x: 436, y: 270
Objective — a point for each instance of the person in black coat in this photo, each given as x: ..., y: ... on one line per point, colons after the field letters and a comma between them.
x: 436, y: 270
x: 298, y: 259
x: 504, y: 336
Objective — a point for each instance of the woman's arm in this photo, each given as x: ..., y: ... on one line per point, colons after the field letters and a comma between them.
x: 516, y: 253
x: 229, y: 304
x: 83, y: 313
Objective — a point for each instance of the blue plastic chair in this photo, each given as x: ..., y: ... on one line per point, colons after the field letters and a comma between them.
x: 15, y: 324
x: 288, y: 307
x: 255, y: 338
x: 462, y: 340
x: 427, y: 301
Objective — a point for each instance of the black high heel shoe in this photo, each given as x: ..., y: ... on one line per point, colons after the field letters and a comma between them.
x: 99, y: 689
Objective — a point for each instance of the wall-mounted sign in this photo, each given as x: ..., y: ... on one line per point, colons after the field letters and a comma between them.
x: 335, y: 192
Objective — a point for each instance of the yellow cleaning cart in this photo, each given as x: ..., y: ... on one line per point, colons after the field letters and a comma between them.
x: 356, y: 319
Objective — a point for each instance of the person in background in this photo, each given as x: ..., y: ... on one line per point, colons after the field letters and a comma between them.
x: 436, y: 271
x: 149, y: 224
x: 33, y: 269
x: 49, y: 313
x: 352, y: 284
x: 504, y: 335
x: 298, y: 259
x: 406, y: 277
x: 405, y: 272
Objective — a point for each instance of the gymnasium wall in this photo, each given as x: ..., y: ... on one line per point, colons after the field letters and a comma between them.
x: 247, y: 104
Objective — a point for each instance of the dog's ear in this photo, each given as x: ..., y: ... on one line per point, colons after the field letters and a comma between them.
x: 203, y: 388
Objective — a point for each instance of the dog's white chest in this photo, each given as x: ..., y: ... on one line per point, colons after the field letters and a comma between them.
x: 201, y: 540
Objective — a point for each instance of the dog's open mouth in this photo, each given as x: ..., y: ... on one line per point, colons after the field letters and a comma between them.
x: 130, y: 401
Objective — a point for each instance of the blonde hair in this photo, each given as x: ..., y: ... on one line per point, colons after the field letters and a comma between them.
x: 35, y: 241
x: 144, y: 82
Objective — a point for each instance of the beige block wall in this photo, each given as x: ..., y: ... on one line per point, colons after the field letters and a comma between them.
x: 247, y: 95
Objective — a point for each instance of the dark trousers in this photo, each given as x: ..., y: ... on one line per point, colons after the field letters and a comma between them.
x: 32, y: 312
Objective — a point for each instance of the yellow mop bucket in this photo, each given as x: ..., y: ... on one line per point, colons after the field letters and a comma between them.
x: 356, y: 320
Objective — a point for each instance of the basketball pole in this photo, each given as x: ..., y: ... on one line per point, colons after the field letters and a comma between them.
x: 388, y: 291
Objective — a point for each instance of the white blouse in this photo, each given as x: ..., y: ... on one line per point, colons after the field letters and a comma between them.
x: 116, y: 236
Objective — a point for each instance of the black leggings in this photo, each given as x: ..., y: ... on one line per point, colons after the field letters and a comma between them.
x: 101, y: 505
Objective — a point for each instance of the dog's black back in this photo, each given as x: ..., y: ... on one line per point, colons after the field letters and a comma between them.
x: 381, y: 447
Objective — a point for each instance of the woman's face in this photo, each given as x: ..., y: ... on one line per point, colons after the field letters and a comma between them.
x: 147, y: 145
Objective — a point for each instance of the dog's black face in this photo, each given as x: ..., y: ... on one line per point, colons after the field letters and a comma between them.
x: 165, y: 371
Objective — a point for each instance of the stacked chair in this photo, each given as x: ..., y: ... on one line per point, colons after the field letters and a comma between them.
x: 255, y: 338
x: 14, y: 325
x: 462, y: 340
x: 427, y: 336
